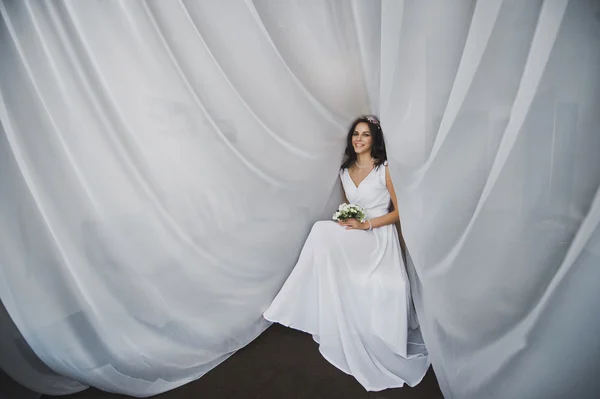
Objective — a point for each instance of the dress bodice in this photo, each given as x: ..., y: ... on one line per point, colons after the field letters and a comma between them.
x: 372, y: 193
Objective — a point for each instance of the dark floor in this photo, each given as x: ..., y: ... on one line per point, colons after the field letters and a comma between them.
x: 280, y: 364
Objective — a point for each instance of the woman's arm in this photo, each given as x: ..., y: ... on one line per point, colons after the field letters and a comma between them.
x: 342, y: 187
x: 389, y: 218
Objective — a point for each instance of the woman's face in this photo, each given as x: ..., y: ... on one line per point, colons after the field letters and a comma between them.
x: 362, y: 139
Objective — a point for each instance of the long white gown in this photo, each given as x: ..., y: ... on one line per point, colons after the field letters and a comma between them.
x: 350, y: 290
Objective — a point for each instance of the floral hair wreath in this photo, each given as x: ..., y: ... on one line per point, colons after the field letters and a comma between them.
x: 373, y: 120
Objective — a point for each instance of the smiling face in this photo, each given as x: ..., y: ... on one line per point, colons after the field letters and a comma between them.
x: 362, y: 139
x: 364, y: 142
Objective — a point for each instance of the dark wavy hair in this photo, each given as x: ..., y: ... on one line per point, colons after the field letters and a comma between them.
x: 377, y: 148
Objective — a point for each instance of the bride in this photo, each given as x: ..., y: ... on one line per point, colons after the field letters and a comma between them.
x: 350, y: 289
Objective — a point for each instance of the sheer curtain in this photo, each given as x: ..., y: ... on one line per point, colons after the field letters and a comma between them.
x: 162, y: 162
x: 492, y: 122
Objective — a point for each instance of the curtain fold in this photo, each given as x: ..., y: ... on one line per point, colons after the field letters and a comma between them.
x: 158, y: 178
x: 494, y: 145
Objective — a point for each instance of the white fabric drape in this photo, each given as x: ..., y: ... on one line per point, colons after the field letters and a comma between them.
x: 161, y: 163
x: 493, y: 130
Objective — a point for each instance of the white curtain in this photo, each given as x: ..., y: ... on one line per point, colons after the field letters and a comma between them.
x: 491, y: 110
x: 161, y: 163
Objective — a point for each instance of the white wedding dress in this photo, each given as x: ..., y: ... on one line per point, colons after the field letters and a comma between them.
x: 350, y: 290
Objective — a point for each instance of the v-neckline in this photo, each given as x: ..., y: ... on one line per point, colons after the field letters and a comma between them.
x: 356, y: 186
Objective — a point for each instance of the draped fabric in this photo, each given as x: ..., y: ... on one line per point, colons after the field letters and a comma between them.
x: 491, y: 116
x: 161, y: 163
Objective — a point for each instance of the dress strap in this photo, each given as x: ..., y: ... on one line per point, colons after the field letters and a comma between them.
x: 381, y: 173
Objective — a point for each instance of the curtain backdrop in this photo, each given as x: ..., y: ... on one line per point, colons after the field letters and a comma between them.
x: 491, y: 111
x: 161, y: 163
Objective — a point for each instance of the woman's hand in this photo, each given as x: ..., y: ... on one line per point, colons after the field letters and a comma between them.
x: 353, y: 224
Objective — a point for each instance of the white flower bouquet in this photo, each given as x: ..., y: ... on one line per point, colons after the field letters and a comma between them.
x: 350, y: 211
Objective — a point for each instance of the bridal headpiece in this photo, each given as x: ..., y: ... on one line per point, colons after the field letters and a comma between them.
x: 372, y: 119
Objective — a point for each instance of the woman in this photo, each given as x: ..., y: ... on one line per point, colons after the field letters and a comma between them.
x: 350, y: 289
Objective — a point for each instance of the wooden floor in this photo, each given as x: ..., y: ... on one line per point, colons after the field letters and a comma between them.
x: 280, y: 364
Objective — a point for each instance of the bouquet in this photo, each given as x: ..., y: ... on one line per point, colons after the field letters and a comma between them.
x: 350, y: 211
